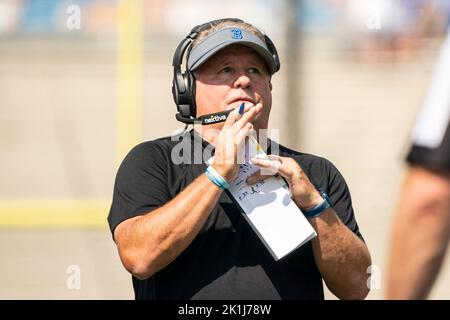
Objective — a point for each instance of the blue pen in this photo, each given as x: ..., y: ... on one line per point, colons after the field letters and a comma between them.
x: 241, y: 109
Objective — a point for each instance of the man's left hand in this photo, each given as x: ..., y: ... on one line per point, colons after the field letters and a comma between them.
x: 302, y: 190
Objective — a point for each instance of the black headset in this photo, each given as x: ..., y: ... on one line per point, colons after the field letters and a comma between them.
x: 183, y: 83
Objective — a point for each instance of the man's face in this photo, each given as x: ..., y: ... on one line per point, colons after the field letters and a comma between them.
x: 232, y: 76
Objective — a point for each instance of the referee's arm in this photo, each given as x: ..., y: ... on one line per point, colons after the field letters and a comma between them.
x: 420, y: 234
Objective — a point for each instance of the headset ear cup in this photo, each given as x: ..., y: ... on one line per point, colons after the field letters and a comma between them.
x: 190, y: 80
x: 178, y: 87
x: 184, y: 96
x: 174, y: 93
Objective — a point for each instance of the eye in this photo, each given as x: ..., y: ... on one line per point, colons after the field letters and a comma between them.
x: 226, y: 70
x: 254, y: 70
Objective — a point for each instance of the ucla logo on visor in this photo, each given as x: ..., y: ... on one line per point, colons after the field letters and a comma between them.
x: 236, y: 34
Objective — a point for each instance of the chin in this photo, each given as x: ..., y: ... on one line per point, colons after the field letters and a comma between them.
x: 259, y: 123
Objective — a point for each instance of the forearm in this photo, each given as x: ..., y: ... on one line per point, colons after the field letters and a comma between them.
x: 420, y: 236
x: 341, y: 257
x: 418, y: 249
x: 154, y: 240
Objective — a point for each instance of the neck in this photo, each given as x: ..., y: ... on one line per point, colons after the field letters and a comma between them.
x: 208, y: 133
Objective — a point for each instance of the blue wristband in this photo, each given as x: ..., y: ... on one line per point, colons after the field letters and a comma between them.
x: 216, y: 178
x: 320, y: 208
x: 213, y: 179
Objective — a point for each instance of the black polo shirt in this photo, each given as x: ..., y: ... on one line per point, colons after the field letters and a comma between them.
x: 226, y: 260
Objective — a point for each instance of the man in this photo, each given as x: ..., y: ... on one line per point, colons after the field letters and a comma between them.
x: 422, y: 224
x: 177, y: 231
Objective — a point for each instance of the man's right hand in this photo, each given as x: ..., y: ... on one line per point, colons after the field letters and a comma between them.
x: 231, y: 141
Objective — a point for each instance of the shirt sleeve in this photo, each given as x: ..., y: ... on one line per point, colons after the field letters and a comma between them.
x: 340, y: 197
x: 140, y: 185
x: 436, y: 159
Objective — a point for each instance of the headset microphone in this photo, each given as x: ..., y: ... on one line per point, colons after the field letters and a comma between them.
x: 205, y: 119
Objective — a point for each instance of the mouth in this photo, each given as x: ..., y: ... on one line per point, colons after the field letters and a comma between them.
x: 238, y: 101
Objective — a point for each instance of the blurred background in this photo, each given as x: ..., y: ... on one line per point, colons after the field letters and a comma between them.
x: 83, y: 81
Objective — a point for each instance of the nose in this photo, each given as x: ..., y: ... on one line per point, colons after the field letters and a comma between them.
x: 242, y: 81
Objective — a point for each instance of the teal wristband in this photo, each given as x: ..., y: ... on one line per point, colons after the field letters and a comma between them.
x: 216, y: 178
x: 213, y: 179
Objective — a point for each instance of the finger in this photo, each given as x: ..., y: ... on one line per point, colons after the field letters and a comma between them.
x: 233, y: 116
x: 240, y: 141
x: 289, y: 168
x: 265, y: 163
x: 245, y: 132
x: 231, y: 119
x: 269, y: 167
x: 285, y: 166
x: 247, y: 107
x: 275, y: 157
x: 247, y: 116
